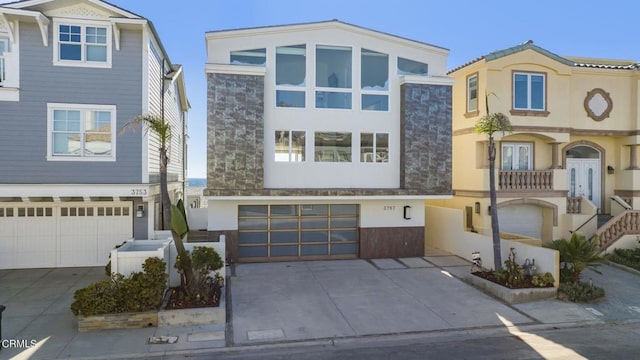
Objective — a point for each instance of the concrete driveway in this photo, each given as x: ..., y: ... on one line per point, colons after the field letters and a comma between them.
x: 326, y: 299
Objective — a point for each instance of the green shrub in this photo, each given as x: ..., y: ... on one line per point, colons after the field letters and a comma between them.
x: 581, y: 292
x: 576, y: 254
x: 544, y: 280
x: 626, y: 257
x: 141, y: 291
x: 203, y: 260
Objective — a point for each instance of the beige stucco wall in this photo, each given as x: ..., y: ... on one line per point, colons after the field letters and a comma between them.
x: 567, y: 123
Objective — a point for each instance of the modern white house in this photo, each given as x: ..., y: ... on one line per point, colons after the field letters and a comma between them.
x: 73, y: 73
x: 324, y: 141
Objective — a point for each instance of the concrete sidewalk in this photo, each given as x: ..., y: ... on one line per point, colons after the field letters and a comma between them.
x: 275, y: 303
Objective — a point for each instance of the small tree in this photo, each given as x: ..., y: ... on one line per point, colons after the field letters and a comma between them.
x: 489, y: 124
x: 162, y: 129
x: 576, y: 254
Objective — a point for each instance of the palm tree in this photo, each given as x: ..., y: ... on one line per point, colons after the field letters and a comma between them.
x: 162, y: 129
x: 489, y: 124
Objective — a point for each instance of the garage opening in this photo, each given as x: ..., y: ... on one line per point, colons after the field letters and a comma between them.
x: 61, y: 234
x: 297, y: 232
x: 524, y: 220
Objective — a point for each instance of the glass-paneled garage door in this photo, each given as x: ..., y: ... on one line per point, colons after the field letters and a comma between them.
x: 297, y: 231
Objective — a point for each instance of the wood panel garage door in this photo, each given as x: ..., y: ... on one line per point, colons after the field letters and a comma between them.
x: 36, y: 235
x: 287, y: 232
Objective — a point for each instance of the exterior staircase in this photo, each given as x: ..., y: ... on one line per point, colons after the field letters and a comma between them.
x: 625, y: 223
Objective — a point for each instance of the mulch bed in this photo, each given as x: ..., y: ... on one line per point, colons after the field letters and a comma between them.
x: 179, y: 300
x: 490, y: 275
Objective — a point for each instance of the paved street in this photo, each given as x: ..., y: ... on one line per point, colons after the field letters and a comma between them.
x: 382, y: 308
x: 608, y: 342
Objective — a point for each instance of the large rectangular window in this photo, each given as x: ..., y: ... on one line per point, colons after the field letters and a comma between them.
x: 411, y: 67
x: 290, y: 76
x: 81, y: 132
x: 472, y: 93
x: 82, y: 44
x: 516, y: 156
x: 374, y: 78
x: 529, y: 91
x: 332, y: 146
x: 374, y: 147
x: 333, y: 77
x: 253, y: 57
x: 290, y: 146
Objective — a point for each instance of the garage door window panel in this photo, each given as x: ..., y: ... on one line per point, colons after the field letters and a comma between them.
x: 314, y: 250
x: 253, y: 237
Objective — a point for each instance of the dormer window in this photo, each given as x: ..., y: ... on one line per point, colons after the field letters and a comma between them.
x: 82, y: 44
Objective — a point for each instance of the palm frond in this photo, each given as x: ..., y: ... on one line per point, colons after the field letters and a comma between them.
x: 151, y: 123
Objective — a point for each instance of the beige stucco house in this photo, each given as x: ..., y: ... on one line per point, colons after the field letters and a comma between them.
x: 571, y: 158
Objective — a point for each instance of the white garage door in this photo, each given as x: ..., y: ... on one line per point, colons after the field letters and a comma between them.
x: 521, y: 219
x: 34, y: 235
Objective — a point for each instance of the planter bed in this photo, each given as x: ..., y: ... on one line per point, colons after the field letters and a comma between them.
x: 131, y: 320
x: 511, y: 296
x: 193, y: 316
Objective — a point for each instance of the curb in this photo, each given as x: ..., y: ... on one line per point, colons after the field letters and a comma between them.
x: 490, y: 331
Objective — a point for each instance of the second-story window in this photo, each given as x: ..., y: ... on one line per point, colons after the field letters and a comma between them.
x: 375, y: 80
x: 291, y: 76
x: 333, y: 77
x: 529, y: 91
x: 472, y: 93
x: 516, y: 156
x: 4, y: 49
x: 374, y: 147
x: 82, y: 44
x: 332, y: 146
x: 290, y: 146
x: 81, y: 132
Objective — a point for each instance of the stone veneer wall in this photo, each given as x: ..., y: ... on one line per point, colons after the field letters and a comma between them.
x: 425, y: 138
x: 235, y: 133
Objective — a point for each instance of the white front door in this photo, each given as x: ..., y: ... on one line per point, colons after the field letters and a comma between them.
x: 583, y: 179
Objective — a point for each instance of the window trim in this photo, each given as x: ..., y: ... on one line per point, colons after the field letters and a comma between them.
x: 83, y: 24
x: 528, y: 111
x: 336, y: 153
x: 291, y: 87
x: 290, y: 147
x: 322, y: 89
x: 472, y: 112
x: 379, y: 92
x: 375, y: 148
x: 3, y: 61
x: 80, y: 107
x: 530, y: 145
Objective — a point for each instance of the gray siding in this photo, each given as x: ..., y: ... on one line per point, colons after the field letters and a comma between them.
x: 23, y: 124
x: 425, y: 138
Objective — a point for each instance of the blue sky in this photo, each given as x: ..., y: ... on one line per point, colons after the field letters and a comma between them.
x: 468, y: 28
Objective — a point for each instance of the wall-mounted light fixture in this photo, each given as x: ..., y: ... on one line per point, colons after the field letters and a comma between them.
x: 477, y: 208
x: 610, y: 170
x: 140, y: 211
x: 489, y: 210
x: 407, y: 212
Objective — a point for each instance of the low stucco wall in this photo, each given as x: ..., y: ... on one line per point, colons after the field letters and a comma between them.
x: 445, y: 230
